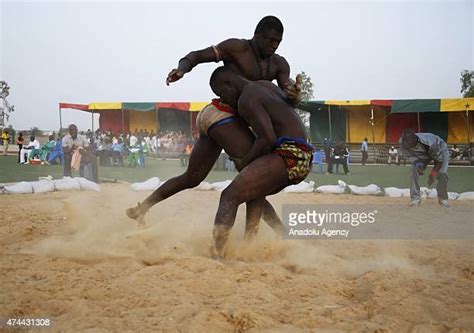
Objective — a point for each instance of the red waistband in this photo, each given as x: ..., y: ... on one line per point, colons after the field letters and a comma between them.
x: 222, y: 107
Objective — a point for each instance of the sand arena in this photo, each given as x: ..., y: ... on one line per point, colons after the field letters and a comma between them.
x: 74, y: 257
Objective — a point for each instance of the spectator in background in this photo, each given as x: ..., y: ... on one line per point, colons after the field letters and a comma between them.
x: 327, y: 146
x: 420, y: 149
x: 73, y: 142
x: 26, y: 153
x: 455, y: 153
x: 340, y: 155
x: 118, y: 151
x: 392, y: 155
x: 57, y: 152
x: 104, y: 151
x: 187, y: 153
x: 364, y: 148
x: 133, y: 140
x: 20, y: 141
x: 5, y: 140
x: 47, y: 148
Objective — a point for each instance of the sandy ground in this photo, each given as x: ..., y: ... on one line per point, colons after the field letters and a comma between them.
x: 74, y: 257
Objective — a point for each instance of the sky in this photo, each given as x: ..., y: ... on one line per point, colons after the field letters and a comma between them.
x: 122, y: 51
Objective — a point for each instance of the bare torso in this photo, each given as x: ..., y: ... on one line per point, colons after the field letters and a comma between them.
x: 284, y: 119
x: 245, y: 61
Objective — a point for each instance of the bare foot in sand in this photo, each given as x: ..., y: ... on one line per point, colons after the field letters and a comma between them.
x: 137, y: 213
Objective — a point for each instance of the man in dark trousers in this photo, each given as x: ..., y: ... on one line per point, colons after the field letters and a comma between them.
x: 420, y: 149
x: 340, y: 155
x: 74, y: 141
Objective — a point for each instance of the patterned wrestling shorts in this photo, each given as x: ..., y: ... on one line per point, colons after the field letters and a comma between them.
x: 298, y: 158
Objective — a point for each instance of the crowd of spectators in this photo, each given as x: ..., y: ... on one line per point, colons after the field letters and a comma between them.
x: 118, y: 149
x: 112, y: 149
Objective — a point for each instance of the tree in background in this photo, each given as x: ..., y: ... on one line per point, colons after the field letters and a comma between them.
x: 36, y: 131
x: 467, y: 85
x: 307, y: 93
x: 307, y: 87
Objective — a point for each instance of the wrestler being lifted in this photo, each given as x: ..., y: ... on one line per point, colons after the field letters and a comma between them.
x: 219, y: 125
x: 280, y: 155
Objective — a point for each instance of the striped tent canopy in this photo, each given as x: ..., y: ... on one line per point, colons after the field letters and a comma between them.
x: 383, y: 120
x: 379, y: 120
x: 152, y: 116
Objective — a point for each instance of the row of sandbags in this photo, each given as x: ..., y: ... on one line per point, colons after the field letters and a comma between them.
x: 155, y: 182
x: 50, y: 185
x: 372, y: 189
x: 305, y: 187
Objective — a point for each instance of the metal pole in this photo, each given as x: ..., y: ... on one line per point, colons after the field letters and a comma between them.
x: 60, y: 121
x: 418, y: 120
x: 157, y: 122
x: 468, y: 134
x: 123, y: 122
x: 372, y: 123
x: 190, y: 122
x: 92, y: 113
x: 330, y: 127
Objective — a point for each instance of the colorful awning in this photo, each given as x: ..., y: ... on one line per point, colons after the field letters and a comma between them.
x: 348, y: 102
x: 83, y: 107
x: 105, y: 106
x: 457, y: 104
x: 142, y: 107
x: 396, y: 106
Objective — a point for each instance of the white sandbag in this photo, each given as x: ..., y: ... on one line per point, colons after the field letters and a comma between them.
x: 394, y: 192
x: 466, y: 196
x: 87, y: 185
x: 204, y: 186
x: 433, y: 194
x: 220, y: 186
x: 148, y: 185
x: 428, y: 193
x: 67, y: 184
x: 453, y: 195
x: 333, y: 189
x: 19, y: 188
x: 371, y: 189
x: 302, y: 187
x: 404, y: 192
x: 42, y: 186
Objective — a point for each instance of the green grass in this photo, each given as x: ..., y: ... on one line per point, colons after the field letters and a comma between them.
x: 461, y: 179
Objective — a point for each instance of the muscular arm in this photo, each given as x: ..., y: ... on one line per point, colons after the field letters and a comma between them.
x: 290, y: 87
x: 223, y: 51
x: 251, y: 109
x: 283, y: 73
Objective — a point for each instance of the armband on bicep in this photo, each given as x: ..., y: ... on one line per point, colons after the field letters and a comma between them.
x: 216, y: 53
